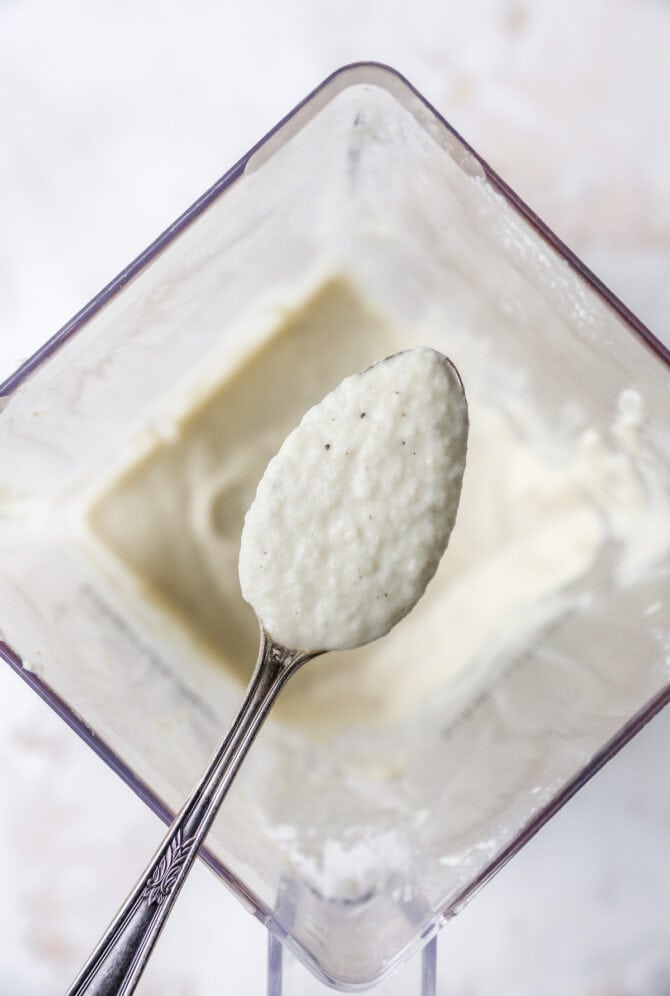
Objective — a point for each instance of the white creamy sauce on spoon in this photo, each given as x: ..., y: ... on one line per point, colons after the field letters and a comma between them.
x: 354, y: 512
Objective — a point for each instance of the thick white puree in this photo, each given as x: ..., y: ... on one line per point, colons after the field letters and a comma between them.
x: 534, y: 518
x: 353, y: 514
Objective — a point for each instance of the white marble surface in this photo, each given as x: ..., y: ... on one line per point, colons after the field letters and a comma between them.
x: 115, y: 115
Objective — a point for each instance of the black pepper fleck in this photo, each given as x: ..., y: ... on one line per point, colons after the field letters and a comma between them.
x: 362, y: 414
x: 327, y: 446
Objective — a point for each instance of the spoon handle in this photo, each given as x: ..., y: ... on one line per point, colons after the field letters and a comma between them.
x: 116, y: 964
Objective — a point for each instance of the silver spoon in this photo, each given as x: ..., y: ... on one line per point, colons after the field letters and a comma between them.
x: 115, y: 966
x: 117, y: 963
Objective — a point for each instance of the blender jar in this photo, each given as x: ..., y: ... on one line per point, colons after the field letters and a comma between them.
x: 391, y: 783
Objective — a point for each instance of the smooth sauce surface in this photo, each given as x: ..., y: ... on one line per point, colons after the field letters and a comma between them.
x: 526, y: 527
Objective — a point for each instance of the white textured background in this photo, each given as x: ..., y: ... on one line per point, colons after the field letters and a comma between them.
x: 114, y: 116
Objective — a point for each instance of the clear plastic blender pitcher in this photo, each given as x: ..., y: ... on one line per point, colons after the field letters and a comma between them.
x: 363, y: 218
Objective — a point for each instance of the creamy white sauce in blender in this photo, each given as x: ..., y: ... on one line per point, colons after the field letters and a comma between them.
x: 533, y: 519
x: 352, y: 516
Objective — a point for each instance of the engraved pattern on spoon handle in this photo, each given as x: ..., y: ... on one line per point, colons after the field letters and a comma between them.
x: 115, y: 966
